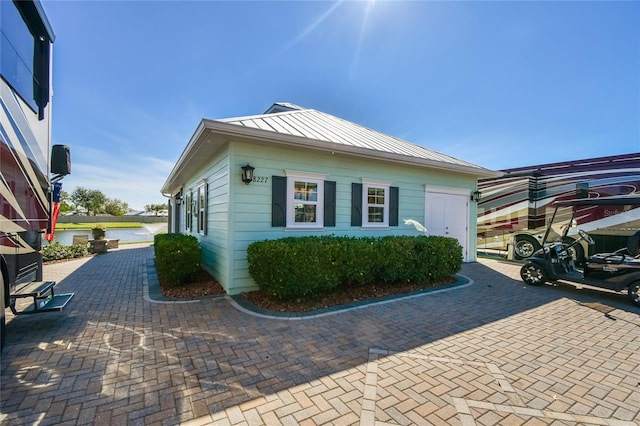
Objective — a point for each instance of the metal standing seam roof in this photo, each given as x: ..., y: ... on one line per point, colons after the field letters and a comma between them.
x: 293, y: 124
x: 298, y: 121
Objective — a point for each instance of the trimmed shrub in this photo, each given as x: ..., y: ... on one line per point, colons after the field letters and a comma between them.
x: 442, y: 255
x: 307, y: 267
x: 292, y: 268
x: 57, y: 251
x: 358, y: 260
x: 178, y: 258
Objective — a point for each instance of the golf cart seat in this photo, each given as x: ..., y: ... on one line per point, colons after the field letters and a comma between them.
x: 631, y: 251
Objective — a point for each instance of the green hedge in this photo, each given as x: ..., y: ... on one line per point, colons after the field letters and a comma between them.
x: 57, y: 251
x: 177, y: 258
x: 306, y: 267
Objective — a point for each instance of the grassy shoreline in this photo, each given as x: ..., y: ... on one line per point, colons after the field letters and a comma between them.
x: 89, y: 226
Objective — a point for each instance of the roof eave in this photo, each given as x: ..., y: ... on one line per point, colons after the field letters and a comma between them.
x: 285, y: 139
x: 235, y: 131
x: 169, y: 187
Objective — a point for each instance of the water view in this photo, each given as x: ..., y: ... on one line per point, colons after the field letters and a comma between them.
x: 125, y: 235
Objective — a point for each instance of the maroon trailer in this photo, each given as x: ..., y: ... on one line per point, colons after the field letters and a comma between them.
x: 514, y: 209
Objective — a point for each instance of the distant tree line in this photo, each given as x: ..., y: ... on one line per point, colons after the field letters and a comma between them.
x: 94, y: 202
x: 157, y: 208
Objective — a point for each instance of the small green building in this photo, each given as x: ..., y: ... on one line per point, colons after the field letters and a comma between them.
x: 294, y: 171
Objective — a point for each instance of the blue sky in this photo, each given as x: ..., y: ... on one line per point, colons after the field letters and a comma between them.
x: 500, y: 84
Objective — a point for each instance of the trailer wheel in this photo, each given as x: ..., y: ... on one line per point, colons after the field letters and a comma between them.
x: 634, y: 292
x: 525, y: 246
x: 532, y: 274
x: 576, y: 252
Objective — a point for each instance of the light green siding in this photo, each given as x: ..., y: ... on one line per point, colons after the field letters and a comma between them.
x: 252, y: 203
x: 215, y: 244
x: 239, y: 214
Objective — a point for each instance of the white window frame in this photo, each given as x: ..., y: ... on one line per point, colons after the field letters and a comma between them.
x: 202, y: 206
x: 188, y: 211
x: 374, y: 183
x: 309, y: 177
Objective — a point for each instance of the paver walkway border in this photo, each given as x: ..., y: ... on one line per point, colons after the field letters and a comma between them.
x: 153, y: 294
x: 247, y: 307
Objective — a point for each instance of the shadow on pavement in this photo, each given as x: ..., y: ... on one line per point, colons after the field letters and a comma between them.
x: 112, y: 357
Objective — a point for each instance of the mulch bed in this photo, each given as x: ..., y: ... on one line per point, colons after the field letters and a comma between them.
x: 342, y: 296
x: 206, y: 285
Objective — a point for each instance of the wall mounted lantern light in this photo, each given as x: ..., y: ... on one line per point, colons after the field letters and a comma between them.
x: 247, y: 173
x: 475, y: 196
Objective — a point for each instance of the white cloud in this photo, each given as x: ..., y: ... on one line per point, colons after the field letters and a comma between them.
x: 127, y: 154
x: 134, y: 179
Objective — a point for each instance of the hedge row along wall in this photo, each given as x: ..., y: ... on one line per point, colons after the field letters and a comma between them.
x: 306, y: 267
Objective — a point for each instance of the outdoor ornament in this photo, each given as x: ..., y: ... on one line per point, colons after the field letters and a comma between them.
x: 416, y: 225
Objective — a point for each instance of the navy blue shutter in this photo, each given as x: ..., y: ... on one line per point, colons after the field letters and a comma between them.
x: 177, y: 202
x: 206, y: 208
x: 356, y: 204
x: 393, y: 205
x: 189, y: 212
x: 170, y: 224
x: 278, y: 201
x: 329, y: 203
x: 190, y: 207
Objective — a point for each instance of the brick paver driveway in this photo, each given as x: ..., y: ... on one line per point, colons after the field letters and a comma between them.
x: 493, y: 352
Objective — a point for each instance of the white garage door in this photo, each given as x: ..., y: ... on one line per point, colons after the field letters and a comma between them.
x: 447, y: 214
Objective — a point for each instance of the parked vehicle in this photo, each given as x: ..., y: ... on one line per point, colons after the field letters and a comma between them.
x: 618, y: 270
x: 28, y: 194
x: 514, y: 209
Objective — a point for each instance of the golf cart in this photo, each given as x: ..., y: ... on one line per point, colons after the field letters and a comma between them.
x: 616, y: 271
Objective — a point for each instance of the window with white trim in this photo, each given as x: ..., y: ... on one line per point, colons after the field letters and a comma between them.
x: 202, y: 208
x: 188, y: 211
x: 305, y: 199
x: 375, y: 200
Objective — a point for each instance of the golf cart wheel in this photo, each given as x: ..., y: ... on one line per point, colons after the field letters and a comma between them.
x: 634, y: 292
x: 532, y: 274
x: 525, y: 246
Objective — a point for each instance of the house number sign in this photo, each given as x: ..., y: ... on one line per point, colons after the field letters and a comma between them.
x: 260, y: 179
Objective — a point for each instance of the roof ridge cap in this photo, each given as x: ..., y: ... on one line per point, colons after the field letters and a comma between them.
x: 271, y: 114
